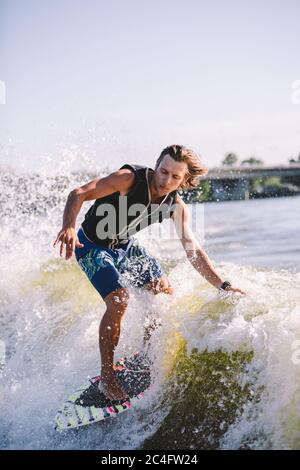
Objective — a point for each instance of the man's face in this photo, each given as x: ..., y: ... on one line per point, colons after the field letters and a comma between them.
x: 169, y: 175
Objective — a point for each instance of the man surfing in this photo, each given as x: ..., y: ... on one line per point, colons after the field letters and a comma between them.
x: 126, y: 201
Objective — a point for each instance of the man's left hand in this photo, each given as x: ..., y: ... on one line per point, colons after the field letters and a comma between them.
x: 235, y: 289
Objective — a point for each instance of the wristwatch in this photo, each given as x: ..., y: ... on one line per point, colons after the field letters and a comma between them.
x: 224, y: 285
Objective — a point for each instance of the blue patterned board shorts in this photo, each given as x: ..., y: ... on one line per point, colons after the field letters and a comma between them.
x: 110, y: 269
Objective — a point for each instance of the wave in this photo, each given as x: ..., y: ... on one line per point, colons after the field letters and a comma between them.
x: 226, y: 368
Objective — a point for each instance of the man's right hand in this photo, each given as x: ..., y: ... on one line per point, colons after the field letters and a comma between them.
x: 67, y: 236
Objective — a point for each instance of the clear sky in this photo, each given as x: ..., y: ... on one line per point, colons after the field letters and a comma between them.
x: 106, y: 82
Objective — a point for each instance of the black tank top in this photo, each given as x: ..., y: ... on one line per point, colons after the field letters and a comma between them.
x: 129, y: 219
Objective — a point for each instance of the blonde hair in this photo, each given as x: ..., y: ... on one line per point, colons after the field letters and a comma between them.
x: 179, y: 153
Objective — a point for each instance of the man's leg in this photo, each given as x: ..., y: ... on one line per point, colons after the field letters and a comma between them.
x: 109, y: 333
x: 156, y: 286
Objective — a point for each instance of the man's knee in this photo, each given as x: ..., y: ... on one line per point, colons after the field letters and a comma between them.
x: 117, y: 301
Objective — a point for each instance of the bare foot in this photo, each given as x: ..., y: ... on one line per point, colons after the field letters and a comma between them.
x: 111, y: 388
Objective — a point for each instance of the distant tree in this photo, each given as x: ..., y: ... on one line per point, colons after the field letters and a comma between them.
x: 205, y: 190
x: 292, y: 160
x: 230, y: 159
x: 252, y: 161
x: 272, y: 181
x: 202, y: 193
x: 255, y: 184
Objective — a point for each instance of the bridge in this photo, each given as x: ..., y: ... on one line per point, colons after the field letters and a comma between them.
x: 233, y: 182
x: 255, y: 171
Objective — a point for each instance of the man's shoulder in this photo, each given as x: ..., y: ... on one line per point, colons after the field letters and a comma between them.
x: 180, y: 202
x: 125, y: 173
x: 180, y: 208
x: 135, y: 168
x: 122, y: 179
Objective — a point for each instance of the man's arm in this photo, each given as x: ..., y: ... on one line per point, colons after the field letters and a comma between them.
x: 195, y: 254
x: 121, y: 180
